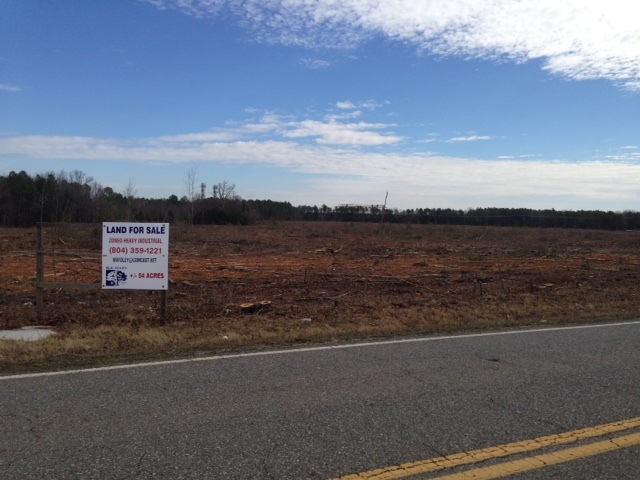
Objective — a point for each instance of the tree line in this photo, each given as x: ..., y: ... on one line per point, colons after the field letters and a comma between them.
x: 76, y: 197
x: 496, y: 217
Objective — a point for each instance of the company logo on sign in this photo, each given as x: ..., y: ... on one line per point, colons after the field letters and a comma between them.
x: 115, y: 278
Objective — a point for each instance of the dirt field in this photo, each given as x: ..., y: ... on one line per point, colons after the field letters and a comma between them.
x: 324, y: 281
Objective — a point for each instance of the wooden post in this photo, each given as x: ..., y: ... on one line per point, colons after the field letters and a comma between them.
x: 384, y: 207
x: 39, y: 272
x: 163, y: 306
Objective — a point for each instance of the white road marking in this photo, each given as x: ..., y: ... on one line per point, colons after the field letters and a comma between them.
x: 310, y: 349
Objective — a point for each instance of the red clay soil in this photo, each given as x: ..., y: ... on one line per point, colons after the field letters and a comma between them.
x: 337, y: 271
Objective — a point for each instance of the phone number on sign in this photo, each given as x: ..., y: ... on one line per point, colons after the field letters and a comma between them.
x: 136, y: 250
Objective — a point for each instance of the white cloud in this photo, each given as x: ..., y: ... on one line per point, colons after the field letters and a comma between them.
x: 471, y: 138
x: 349, y: 161
x: 368, y: 105
x: 315, y: 64
x: 630, y: 147
x: 576, y: 39
x: 626, y: 157
x: 203, y: 137
x: 330, y: 130
x: 197, y: 8
x: 413, y: 179
x: 334, y: 133
x: 9, y: 88
x: 344, y: 116
x: 346, y: 105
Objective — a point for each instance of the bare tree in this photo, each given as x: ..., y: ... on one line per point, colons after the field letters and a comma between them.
x: 224, y: 191
x: 79, y: 177
x: 130, y: 190
x: 190, y: 188
x: 97, y: 190
x: 129, y: 193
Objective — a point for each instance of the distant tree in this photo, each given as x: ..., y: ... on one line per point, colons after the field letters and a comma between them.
x: 190, y: 188
x: 130, y: 193
x: 79, y: 177
x: 46, y: 187
x: 110, y: 206
x: 22, y: 198
x: 224, y: 191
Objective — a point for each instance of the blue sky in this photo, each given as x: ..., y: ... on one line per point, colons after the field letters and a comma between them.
x: 442, y: 103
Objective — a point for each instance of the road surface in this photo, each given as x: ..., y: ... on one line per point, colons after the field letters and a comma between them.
x: 332, y: 411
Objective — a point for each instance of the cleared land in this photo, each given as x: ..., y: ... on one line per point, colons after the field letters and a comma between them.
x: 324, y: 282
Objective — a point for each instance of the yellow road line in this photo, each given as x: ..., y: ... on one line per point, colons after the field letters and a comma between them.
x: 546, y: 460
x: 475, y: 456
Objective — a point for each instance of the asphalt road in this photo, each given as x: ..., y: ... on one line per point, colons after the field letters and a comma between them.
x: 326, y: 412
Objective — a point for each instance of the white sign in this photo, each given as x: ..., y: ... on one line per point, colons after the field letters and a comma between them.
x: 135, y: 256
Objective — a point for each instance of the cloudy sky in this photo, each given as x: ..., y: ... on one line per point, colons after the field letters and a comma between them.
x: 440, y: 103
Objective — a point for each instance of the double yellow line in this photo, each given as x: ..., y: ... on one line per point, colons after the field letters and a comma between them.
x: 509, y: 449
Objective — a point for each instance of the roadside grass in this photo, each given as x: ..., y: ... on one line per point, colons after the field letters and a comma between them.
x: 77, y: 345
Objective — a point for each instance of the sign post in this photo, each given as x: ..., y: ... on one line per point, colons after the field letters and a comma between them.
x: 135, y: 256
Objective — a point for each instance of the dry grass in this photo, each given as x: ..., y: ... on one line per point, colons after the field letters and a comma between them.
x: 380, y: 281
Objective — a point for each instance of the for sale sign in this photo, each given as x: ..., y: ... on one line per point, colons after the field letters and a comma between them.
x: 135, y: 256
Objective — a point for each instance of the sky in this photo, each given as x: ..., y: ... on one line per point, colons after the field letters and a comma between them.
x: 437, y: 103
